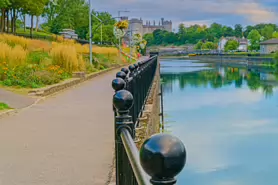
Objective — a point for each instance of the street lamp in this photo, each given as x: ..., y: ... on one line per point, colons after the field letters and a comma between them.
x: 130, y: 31
x: 101, y: 23
x: 90, y: 32
x: 119, y: 15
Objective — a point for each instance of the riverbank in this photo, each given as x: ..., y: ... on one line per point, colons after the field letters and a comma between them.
x: 255, y: 60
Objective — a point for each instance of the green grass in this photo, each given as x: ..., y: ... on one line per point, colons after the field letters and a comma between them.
x: 39, y: 33
x: 4, y: 106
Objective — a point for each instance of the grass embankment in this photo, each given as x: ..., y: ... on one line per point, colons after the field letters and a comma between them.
x: 35, y: 33
x: 4, y: 106
x: 26, y: 63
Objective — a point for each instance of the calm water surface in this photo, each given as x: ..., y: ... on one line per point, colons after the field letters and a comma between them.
x: 228, y: 120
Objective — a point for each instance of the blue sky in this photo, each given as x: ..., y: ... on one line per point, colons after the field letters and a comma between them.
x: 228, y: 12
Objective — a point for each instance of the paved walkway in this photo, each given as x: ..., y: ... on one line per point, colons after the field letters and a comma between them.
x: 14, y: 100
x: 65, y: 140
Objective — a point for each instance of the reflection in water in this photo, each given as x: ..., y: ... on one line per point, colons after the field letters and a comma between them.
x: 218, y: 78
x: 227, y: 118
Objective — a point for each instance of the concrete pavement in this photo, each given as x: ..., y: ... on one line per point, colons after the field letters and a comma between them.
x: 14, y: 100
x: 66, y: 139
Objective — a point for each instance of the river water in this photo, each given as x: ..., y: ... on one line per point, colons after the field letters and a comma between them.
x: 227, y: 118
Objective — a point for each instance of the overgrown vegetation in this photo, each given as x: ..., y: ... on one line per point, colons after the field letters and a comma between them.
x: 35, y: 63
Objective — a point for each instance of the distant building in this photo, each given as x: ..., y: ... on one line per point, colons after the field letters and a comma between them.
x: 269, y: 46
x: 243, y: 43
x: 138, y: 26
x: 69, y: 34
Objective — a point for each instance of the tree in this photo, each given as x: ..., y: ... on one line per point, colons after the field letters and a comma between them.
x: 34, y: 8
x: 255, y: 38
x: 209, y: 45
x: 3, y: 5
x: 199, y: 45
x: 267, y: 32
x: 149, y: 38
x: 275, y: 35
x: 238, y: 30
x: 227, y: 31
x: 231, y: 45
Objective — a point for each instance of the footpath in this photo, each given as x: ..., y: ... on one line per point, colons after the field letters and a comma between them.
x: 66, y: 139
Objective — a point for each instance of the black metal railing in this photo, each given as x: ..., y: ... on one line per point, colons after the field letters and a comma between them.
x: 162, y: 156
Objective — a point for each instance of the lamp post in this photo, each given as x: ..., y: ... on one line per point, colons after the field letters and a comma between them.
x: 90, y: 32
x: 130, y: 37
x: 101, y: 23
x: 119, y: 15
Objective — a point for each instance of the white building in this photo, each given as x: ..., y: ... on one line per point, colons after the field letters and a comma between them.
x: 243, y: 43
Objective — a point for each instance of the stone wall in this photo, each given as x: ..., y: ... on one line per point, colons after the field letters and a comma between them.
x: 150, y: 119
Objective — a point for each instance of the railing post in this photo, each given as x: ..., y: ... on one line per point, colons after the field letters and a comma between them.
x: 163, y: 157
x: 123, y: 101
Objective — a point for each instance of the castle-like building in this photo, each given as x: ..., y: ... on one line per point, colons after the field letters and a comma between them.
x: 138, y: 26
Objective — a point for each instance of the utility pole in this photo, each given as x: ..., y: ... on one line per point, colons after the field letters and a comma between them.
x: 90, y: 32
x: 130, y: 48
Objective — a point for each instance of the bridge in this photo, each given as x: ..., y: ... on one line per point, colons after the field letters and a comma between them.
x: 71, y: 138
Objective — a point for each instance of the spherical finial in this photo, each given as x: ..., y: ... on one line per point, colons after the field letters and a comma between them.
x: 163, y: 157
x: 131, y: 68
x: 140, y: 63
x: 136, y: 66
x: 121, y: 75
x: 123, y: 100
x: 118, y: 84
x: 125, y: 70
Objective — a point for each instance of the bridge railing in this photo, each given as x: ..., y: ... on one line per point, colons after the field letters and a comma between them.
x: 162, y: 156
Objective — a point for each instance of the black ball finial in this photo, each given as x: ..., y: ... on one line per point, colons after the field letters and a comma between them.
x: 163, y: 157
x: 136, y: 66
x: 125, y: 70
x: 140, y: 63
x: 118, y: 84
x: 121, y: 75
x: 131, y: 68
x: 123, y: 100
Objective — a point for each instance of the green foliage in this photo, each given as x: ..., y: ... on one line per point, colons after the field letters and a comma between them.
x: 209, y: 46
x: 31, y: 76
x: 193, y: 34
x: 275, y: 35
x: 3, y: 106
x: 231, y: 45
x: 267, y: 32
x: 255, y: 38
x: 238, y: 30
x: 199, y: 45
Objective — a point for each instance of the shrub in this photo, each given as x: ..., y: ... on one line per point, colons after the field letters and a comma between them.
x: 33, y: 76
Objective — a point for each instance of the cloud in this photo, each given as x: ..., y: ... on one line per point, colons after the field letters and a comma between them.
x: 212, y: 98
x: 196, y: 11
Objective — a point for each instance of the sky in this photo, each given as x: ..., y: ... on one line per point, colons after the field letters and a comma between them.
x: 189, y: 12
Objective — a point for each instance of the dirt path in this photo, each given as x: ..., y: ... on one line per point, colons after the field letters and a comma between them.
x: 65, y: 140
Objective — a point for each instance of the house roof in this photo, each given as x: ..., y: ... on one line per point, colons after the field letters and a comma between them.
x: 271, y: 41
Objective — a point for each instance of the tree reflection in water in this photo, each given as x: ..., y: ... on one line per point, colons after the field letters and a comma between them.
x: 221, y: 77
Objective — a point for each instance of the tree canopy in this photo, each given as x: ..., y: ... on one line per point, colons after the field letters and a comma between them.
x: 202, y: 34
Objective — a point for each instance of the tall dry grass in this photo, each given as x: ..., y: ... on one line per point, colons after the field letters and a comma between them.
x: 15, y: 40
x: 67, y: 57
x: 12, y: 56
x: 105, y: 50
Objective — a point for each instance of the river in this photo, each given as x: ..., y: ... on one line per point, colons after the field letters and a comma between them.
x: 228, y: 120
